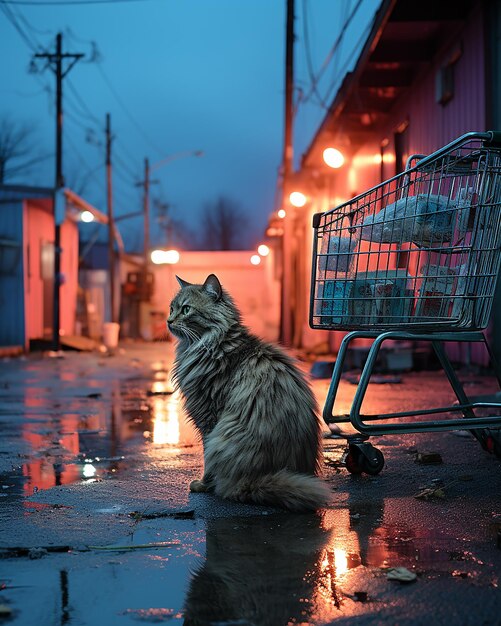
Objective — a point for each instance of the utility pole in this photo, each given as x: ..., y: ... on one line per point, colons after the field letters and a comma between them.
x: 289, y: 88
x: 146, y: 212
x: 55, y: 62
x: 287, y: 168
x: 111, y: 224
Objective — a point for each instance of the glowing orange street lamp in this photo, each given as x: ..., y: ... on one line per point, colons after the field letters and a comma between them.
x: 333, y: 158
x: 298, y: 199
x: 86, y: 216
x: 165, y: 257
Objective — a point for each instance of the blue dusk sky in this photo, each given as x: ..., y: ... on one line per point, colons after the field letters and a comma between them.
x: 176, y: 76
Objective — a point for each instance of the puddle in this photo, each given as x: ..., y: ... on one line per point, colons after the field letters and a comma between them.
x: 268, y: 570
x: 91, y: 436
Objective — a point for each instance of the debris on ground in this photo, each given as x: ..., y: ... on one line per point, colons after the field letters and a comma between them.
x: 402, y: 574
x: 428, y: 493
x: 37, y: 553
x: 138, y: 515
x: 138, y: 546
x: 361, y: 596
x: 435, y: 489
x: 153, y: 615
x: 428, y: 458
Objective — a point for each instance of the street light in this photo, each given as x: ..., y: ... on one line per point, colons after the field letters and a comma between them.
x: 298, y: 199
x: 162, y: 257
x: 333, y: 158
x: 86, y: 216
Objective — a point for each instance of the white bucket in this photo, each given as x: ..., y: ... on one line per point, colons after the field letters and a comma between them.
x: 111, y: 331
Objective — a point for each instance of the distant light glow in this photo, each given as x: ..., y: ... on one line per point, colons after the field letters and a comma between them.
x: 88, y: 470
x: 162, y: 257
x: 255, y: 259
x: 281, y: 213
x: 298, y: 199
x: 86, y: 216
x: 333, y: 158
x: 263, y: 250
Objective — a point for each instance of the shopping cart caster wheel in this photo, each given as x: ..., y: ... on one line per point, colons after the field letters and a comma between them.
x: 372, y: 461
x: 352, y: 461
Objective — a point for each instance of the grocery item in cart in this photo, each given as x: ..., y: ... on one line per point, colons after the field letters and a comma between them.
x: 435, y: 291
x: 336, y: 252
x: 381, y: 297
x: 423, y: 219
x: 331, y: 301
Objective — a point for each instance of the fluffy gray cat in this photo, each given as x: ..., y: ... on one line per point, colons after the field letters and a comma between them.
x: 253, y: 408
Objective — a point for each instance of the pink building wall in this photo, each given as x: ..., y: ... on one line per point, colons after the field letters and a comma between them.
x: 38, y: 225
x: 253, y: 287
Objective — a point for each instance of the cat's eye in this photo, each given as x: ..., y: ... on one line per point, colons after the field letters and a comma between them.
x: 186, y: 308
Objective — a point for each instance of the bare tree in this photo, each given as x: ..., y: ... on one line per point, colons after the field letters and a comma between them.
x: 224, y: 225
x: 16, y: 146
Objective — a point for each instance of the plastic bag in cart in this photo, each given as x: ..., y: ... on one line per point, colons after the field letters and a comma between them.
x: 423, y: 219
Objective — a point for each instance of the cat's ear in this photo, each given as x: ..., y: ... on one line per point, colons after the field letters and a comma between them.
x: 213, y: 286
x: 182, y: 283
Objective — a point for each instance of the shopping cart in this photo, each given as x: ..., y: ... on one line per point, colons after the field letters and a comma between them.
x: 415, y: 258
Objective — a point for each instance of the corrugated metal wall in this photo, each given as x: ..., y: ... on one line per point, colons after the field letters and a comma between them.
x: 431, y: 124
x: 11, y: 274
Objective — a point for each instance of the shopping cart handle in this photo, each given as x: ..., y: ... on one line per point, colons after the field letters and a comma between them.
x: 495, y: 139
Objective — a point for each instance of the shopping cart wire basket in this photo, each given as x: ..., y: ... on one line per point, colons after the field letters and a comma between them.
x: 415, y: 258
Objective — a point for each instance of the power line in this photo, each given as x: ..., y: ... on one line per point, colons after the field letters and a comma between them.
x: 332, y: 51
x: 9, y: 14
x: 127, y: 112
x: 130, y: 156
x: 356, y: 48
x: 309, y: 62
x: 131, y: 176
x: 42, y: 3
x: 82, y: 103
x: 32, y: 43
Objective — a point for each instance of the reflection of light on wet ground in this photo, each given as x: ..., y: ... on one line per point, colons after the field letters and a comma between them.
x: 169, y: 425
x: 166, y: 419
x: 72, y: 435
x: 340, y: 561
x: 161, y: 386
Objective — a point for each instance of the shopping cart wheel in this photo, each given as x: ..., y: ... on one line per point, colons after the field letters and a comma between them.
x: 352, y: 461
x: 362, y: 457
x: 373, y: 463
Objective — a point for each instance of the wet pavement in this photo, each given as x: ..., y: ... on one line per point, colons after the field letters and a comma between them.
x: 97, y: 525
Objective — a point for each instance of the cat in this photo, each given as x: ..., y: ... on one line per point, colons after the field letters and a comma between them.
x: 265, y: 570
x: 253, y: 408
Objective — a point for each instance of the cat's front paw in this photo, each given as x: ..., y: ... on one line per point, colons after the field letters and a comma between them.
x: 198, y: 486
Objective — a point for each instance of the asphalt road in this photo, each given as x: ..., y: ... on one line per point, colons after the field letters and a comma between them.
x: 97, y: 525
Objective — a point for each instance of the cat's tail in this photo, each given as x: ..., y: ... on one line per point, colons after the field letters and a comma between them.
x: 283, y: 489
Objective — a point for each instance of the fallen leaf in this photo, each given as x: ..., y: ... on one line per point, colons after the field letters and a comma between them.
x: 428, y: 458
x: 431, y: 492
x: 402, y: 574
